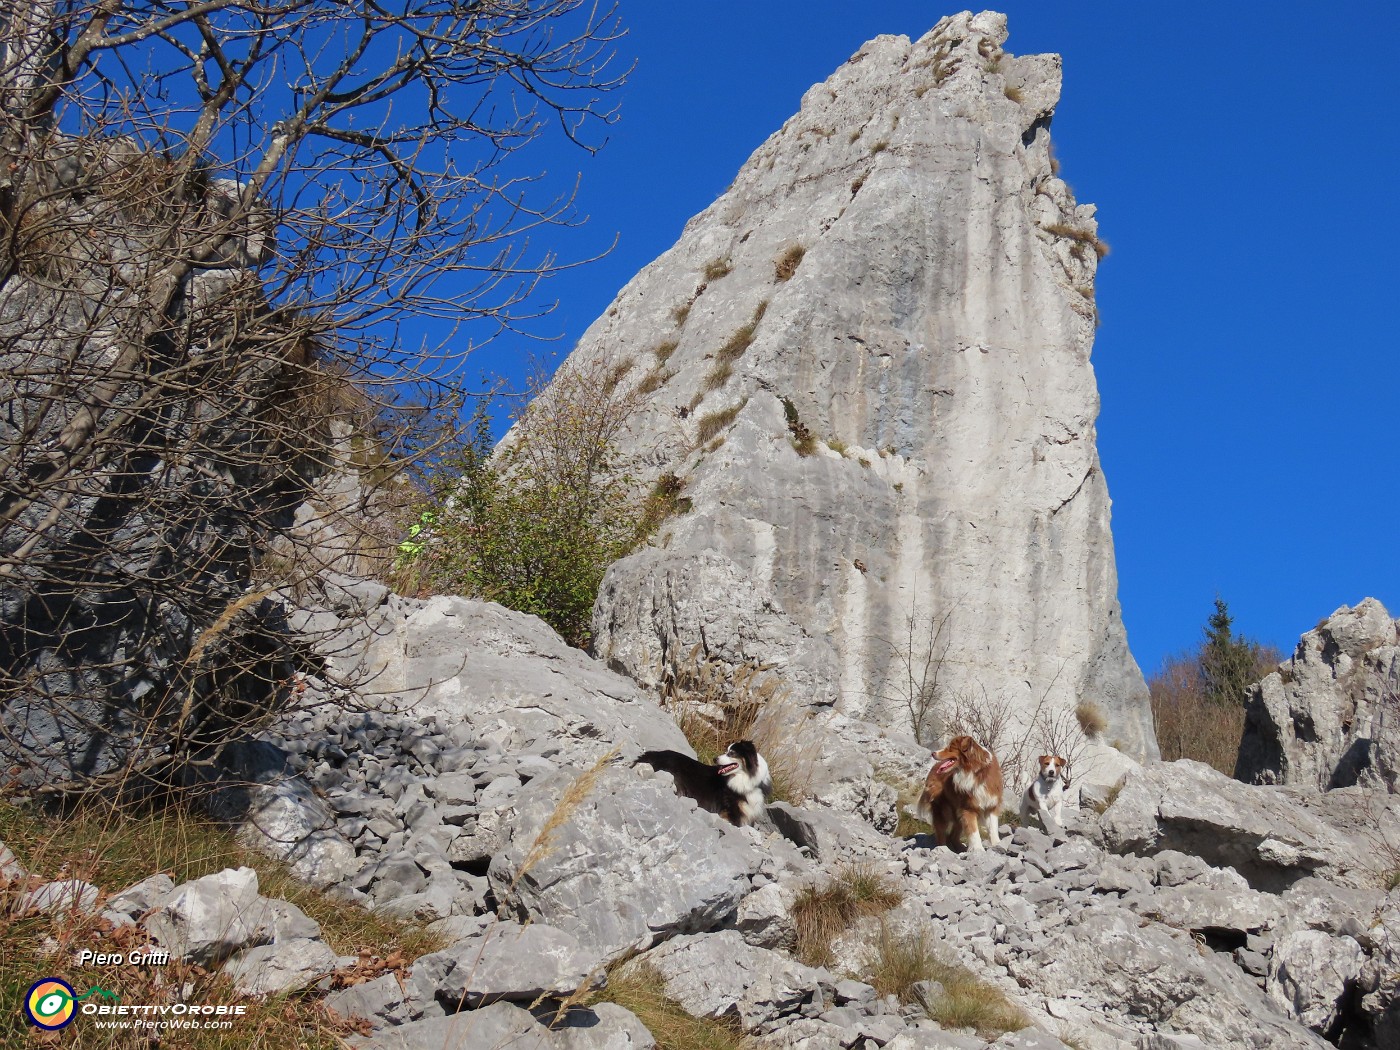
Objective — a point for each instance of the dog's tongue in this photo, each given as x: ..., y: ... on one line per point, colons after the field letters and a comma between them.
x: 728, y: 768
x: 945, y: 765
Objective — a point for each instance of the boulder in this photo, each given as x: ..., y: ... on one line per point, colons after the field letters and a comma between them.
x: 618, y: 859
x: 1311, y: 973
x: 287, y: 965
x: 1265, y: 836
x: 64, y: 897
x: 208, y: 919
x: 512, y: 678
x: 1330, y: 715
x: 1158, y: 977
x: 605, y: 1026
x: 718, y: 975
x: 506, y: 961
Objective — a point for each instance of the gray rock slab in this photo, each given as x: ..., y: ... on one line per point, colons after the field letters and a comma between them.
x: 509, y: 962
x: 503, y: 1026
x: 627, y: 863
x: 718, y: 975
x: 288, y: 965
x: 1260, y: 832
x: 137, y: 899
x: 208, y: 919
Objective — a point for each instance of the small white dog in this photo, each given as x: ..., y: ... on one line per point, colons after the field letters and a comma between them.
x: 1046, y: 795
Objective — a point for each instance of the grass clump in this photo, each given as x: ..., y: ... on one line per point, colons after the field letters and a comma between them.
x: 899, y: 962
x: 802, y: 440
x: 654, y: 381
x: 715, y: 704
x: 638, y: 986
x: 665, y: 501
x: 734, y: 348
x: 880, y: 147
x: 712, y: 423
x: 1081, y: 236
x: 822, y: 915
x: 786, y: 264
x: 663, y: 351
x: 1091, y: 719
x: 717, y: 268
x: 681, y: 314
x: 1014, y: 93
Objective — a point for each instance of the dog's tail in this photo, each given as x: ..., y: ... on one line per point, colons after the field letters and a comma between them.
x: 922, y: 809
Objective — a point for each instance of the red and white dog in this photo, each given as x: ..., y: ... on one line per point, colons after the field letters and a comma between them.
x: 1046, y: 795
x: 963, y: 788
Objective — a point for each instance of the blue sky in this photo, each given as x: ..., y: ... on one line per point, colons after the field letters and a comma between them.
x: 1244, y: 161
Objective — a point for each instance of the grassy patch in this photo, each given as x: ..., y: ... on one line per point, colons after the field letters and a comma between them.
x: 823, y: 914
x: 803, y: 442
x: 1074, y: 233
x: 114, y: 848
x: 967, y: 1001
x: 880, y: 147
x: 786, y: 264
x: 1014, y: 93
x: 664, y: 501
x: 711, y: 423
x: 681, y: 313
x: 717, y: 268
x: 663, y: 351
x: 1090, y: 718
x: 637, y: 986
x: 654, y: 381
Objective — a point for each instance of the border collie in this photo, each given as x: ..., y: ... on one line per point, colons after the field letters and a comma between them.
x: 734, y: 787
x: 1046, y: 795
x: 963, y: 787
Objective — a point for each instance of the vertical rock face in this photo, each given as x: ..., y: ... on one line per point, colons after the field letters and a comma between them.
x: 868, y: 365
x: 1327, y: 717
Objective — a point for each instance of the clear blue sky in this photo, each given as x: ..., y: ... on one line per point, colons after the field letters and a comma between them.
x: 1244, y: 161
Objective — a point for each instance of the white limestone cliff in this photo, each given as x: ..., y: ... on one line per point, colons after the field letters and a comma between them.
x: 901, y: 263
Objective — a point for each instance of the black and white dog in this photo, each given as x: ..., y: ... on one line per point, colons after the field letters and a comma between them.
x: 735, y: 787
x: 1046, y: 795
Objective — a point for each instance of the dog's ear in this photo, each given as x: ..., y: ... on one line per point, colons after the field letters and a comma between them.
x: 1047, y: 758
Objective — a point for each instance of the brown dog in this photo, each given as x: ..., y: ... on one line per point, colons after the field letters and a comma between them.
x: 963, y: 787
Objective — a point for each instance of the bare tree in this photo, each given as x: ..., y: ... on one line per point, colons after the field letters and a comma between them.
x: 213, y: 216
x: 915, y: 682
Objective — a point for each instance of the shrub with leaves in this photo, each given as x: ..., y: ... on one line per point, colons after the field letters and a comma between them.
x: 535, y: 523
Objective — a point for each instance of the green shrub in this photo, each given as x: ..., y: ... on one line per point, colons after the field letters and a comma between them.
x: 535, y: 524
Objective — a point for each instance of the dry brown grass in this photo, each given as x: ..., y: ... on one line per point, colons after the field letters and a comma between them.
x: 967, y: 1001
x: 715, y: 705
x: 114, y: 848
x: 637, y: 986
x: 1090, y: 718
x: 681, y: 313
x: 822, y: 915
x: 717, y: 268
x: 1014, y: 93
x: 711, y: 423
x: 1074, y: 233
x: 786, y: 264
x: 663, y: 351
x: 1188, y: 722
x: 654, y: 381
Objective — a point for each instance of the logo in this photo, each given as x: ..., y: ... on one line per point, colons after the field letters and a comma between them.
x: 51, y: 1003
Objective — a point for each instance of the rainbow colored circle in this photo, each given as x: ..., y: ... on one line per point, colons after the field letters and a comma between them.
x: 49, y: 1004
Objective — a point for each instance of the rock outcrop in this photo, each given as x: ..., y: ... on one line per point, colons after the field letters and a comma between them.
x: 867, y: 365
x: 1329, y: 717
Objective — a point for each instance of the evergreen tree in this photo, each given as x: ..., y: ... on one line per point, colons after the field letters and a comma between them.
x: 1228, y: 663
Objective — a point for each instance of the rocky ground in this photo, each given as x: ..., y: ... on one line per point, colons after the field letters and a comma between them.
x: 1179, y: 909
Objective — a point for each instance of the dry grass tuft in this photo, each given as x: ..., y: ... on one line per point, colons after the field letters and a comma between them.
x: 1091, y: 719
x: 663, y: 351
x: 717, y: 268
x: 654, y: 381
x: 1081, y: 236
x: 786, y: 264
x: 638, y: 987
x: 1014, y: 93
x: 715, y: 704
x: 898, y: 963
x: 856, y: 891
x: 681, y: 313
x: 712, y: 423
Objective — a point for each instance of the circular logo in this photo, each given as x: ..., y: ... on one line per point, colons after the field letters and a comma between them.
x: 49, y: 1004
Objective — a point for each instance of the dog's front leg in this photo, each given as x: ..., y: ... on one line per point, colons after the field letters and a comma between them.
x: 972, y: 834
x: 993, y: 829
